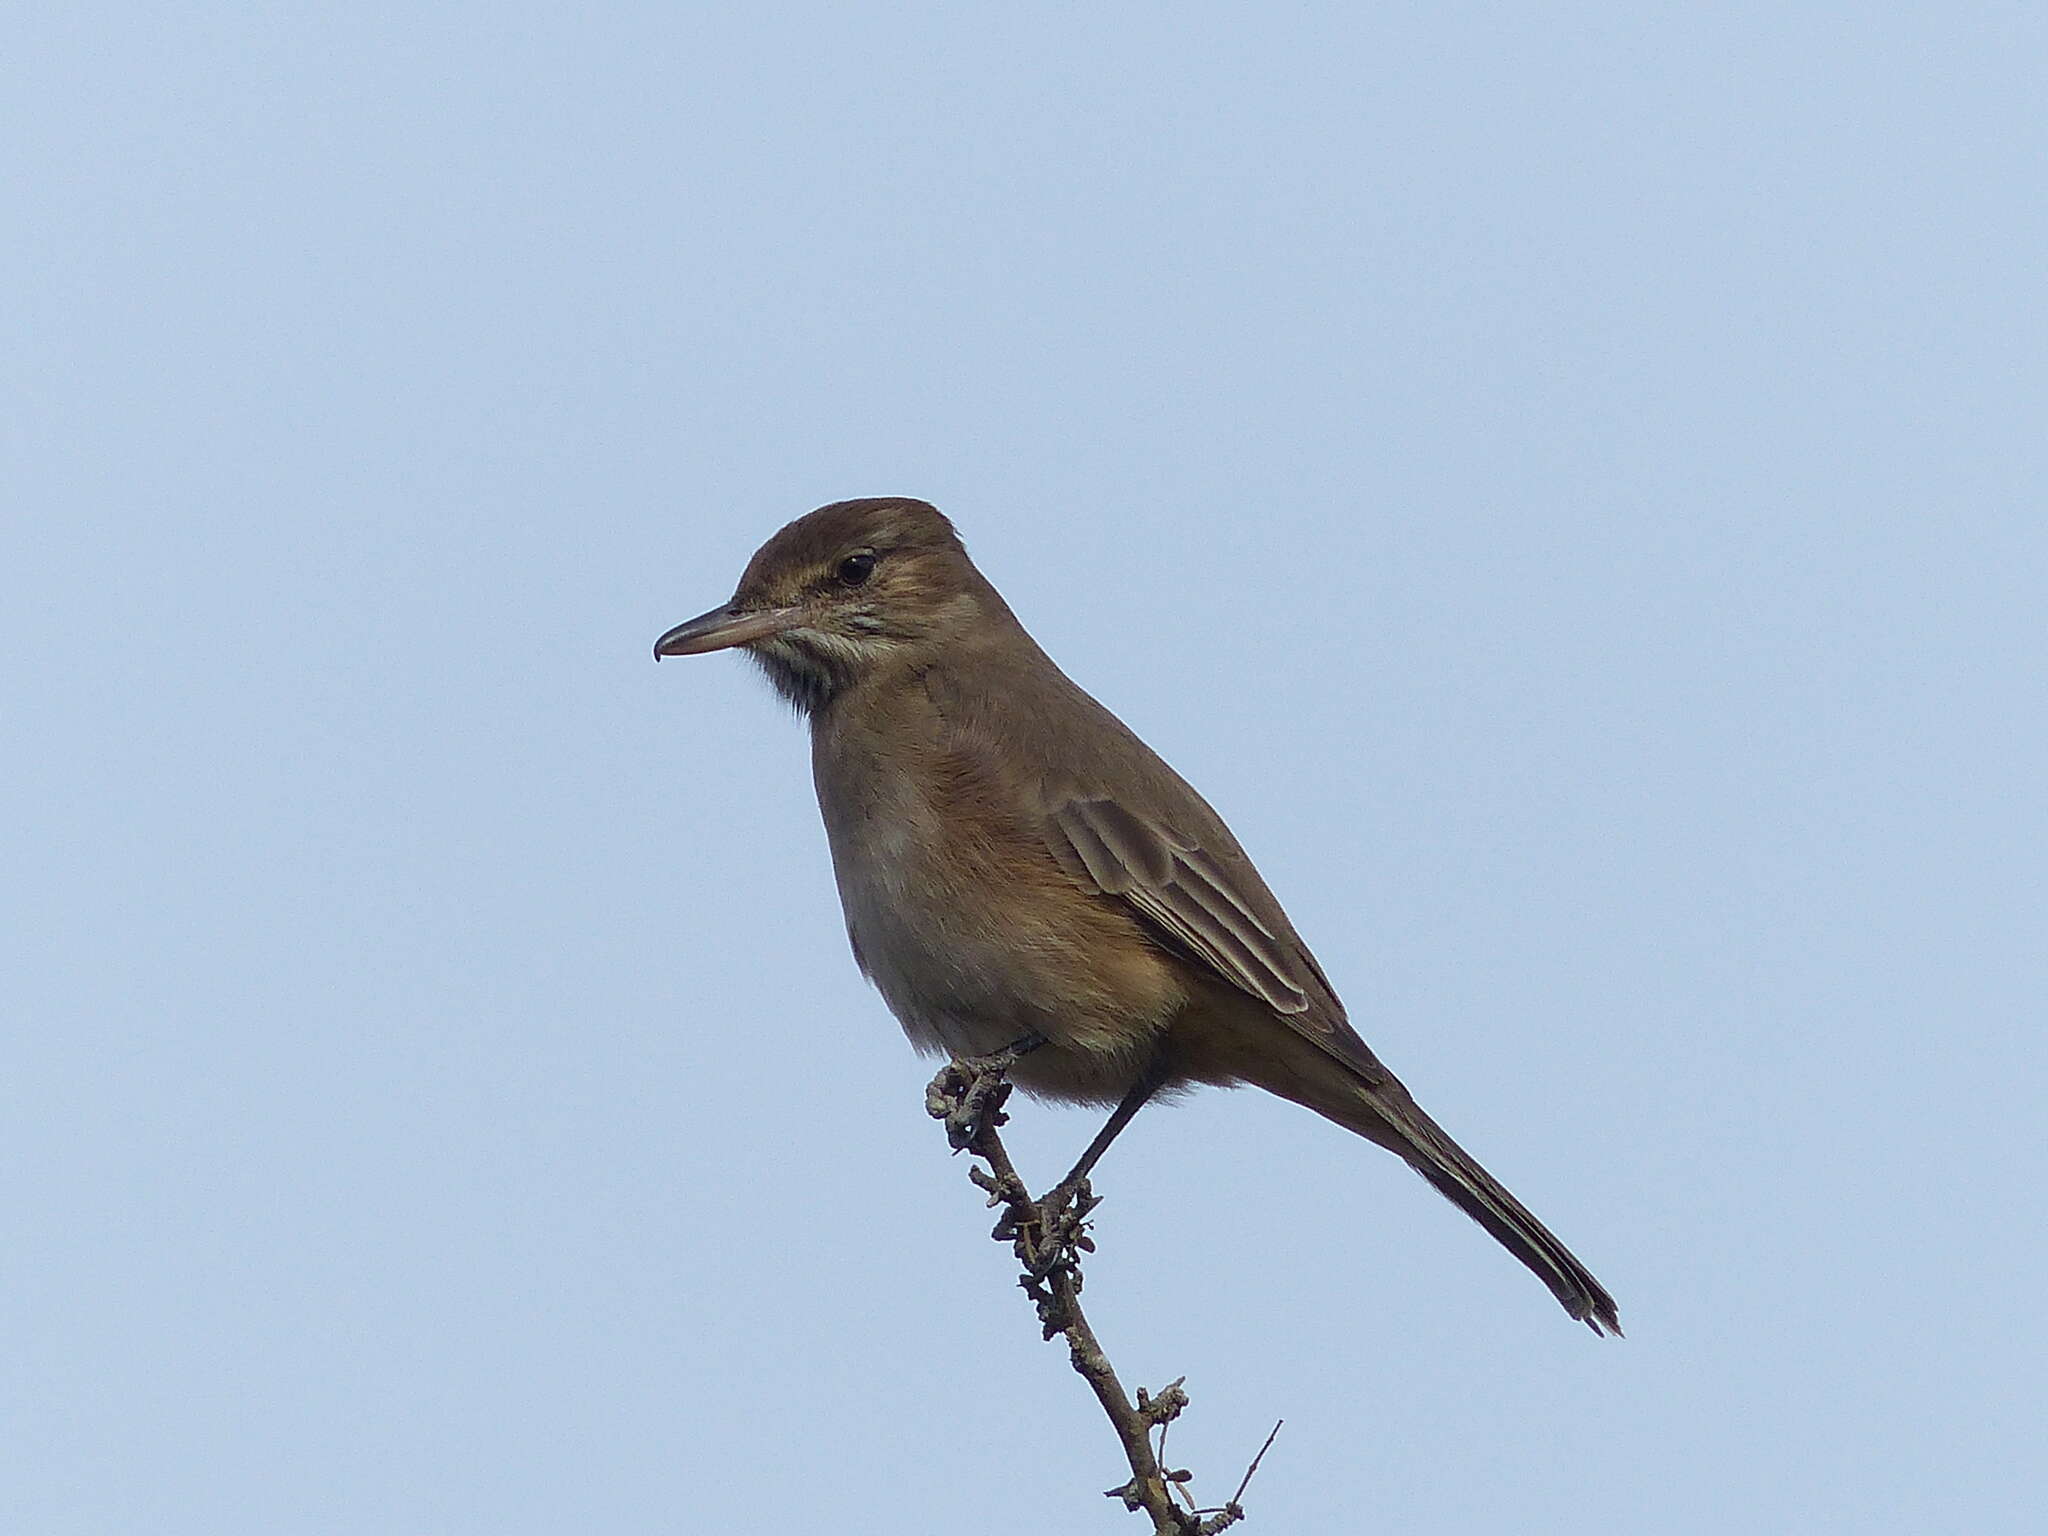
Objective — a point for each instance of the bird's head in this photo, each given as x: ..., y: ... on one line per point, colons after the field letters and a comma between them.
x: 842, y: 593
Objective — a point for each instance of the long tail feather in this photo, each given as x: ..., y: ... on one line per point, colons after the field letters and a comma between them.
x: 1394, y: 1120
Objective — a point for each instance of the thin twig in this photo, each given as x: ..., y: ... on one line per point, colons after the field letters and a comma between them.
x: 1232, y: 1512
x: 1048, y: 1240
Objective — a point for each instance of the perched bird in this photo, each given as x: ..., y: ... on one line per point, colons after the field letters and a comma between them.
x: 1017, y: 867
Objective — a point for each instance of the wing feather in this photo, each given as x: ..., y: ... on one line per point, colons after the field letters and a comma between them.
x: 1185, y: 892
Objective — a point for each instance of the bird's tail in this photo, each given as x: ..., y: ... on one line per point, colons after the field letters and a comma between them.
x: 1386, y: 1114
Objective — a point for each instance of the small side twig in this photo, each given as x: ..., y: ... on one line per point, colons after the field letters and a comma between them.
x: 1232, y: 1512
x: 1048, y: 1238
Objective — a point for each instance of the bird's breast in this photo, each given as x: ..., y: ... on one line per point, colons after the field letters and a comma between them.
x: 962, y: 918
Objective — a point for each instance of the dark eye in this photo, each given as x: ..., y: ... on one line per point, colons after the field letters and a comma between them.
x: 855, y: 569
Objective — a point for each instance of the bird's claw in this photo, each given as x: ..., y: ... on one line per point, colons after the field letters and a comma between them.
x: 970, y: 1091
x: 1052, y: 1233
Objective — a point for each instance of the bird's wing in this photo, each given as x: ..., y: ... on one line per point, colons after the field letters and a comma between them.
x: 1189, y: 895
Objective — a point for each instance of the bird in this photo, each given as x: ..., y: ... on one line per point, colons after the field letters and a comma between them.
x: 1018, y: 869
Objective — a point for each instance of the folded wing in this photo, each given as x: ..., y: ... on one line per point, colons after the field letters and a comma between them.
x: 1185, y: 893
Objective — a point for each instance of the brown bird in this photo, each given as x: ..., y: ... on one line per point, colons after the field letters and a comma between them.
x: 1016, y: 867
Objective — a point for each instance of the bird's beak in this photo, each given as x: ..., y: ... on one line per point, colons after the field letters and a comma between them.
x: 723, y: 627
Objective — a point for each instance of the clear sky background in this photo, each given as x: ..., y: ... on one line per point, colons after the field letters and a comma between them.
x: 1566, y: 483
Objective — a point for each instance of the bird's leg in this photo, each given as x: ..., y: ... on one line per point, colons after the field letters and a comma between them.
x: 970, y: 1088
x: 1140, y: 1094
x: 1061, y: 1217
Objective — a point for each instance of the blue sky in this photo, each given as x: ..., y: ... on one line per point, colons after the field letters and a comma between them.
x: 1564, y: 482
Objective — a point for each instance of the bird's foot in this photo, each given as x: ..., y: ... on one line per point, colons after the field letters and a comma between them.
x: 969, y: 1091
x: 1069, y: 1191
x: 1051, y: 1234
x: 964, y: 1097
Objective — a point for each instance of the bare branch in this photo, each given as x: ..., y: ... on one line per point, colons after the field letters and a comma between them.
x: 1048, y: 1238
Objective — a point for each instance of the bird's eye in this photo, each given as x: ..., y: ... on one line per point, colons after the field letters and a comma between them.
x: 855, y: 569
